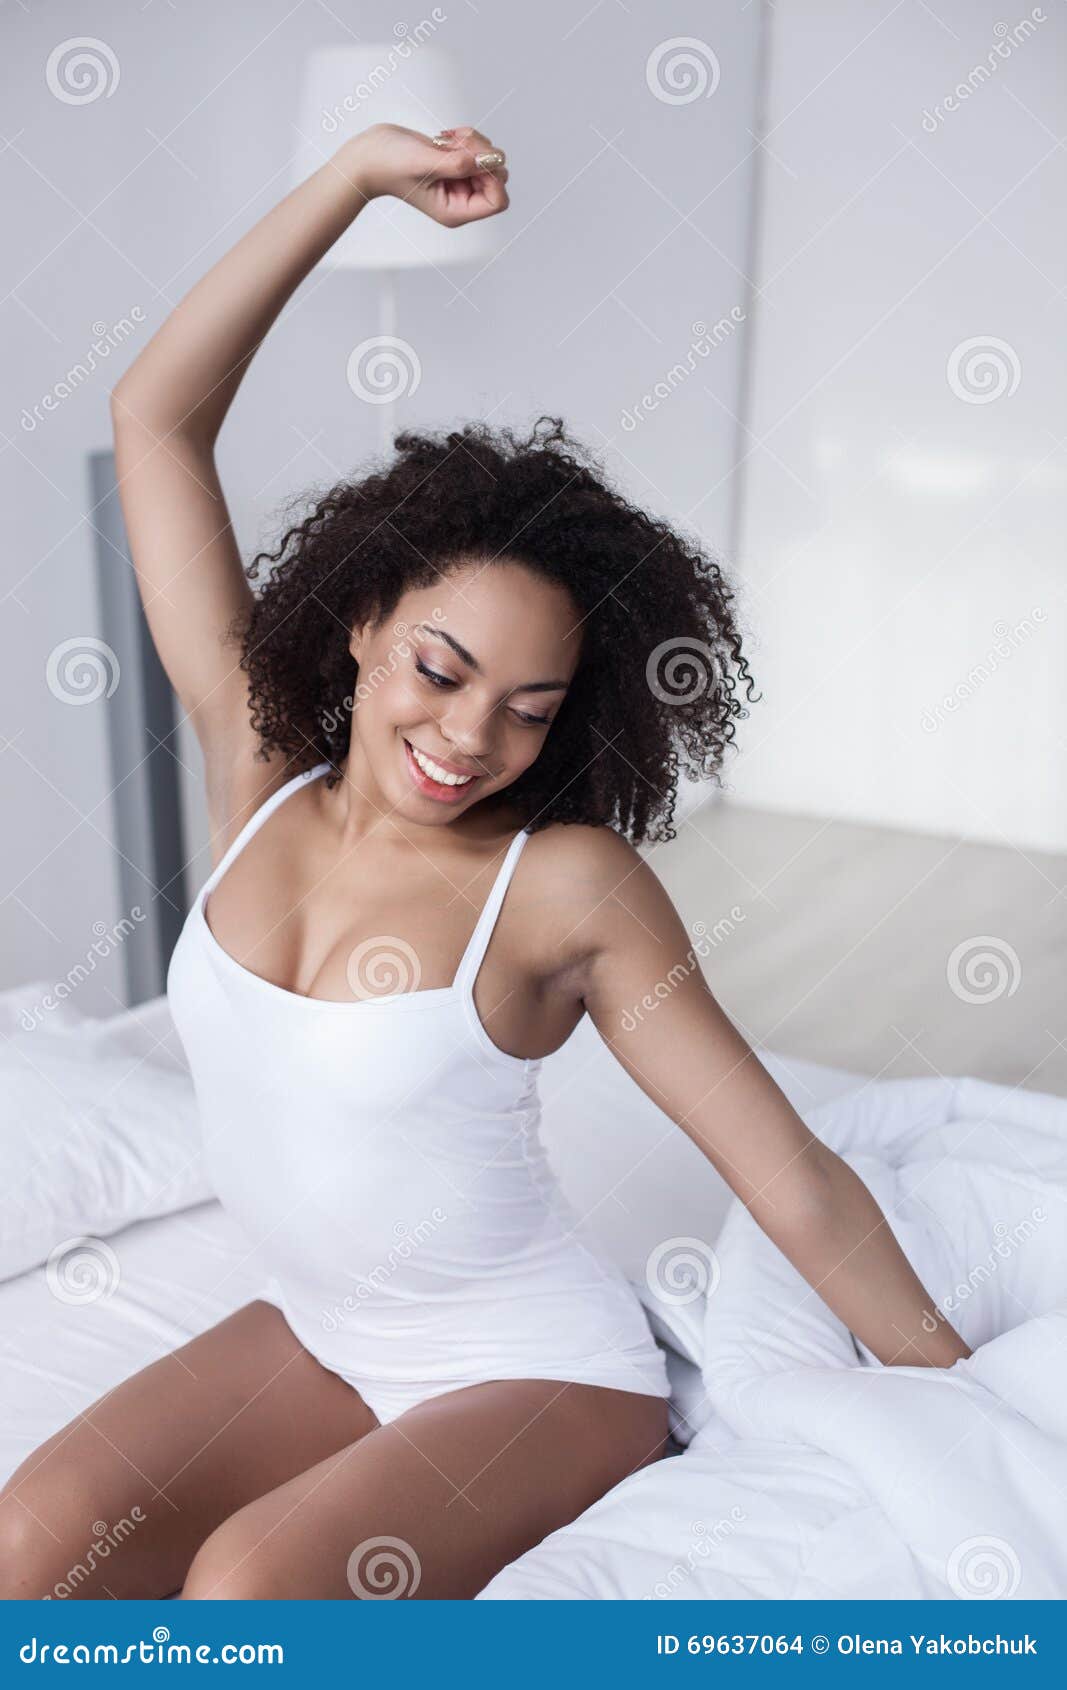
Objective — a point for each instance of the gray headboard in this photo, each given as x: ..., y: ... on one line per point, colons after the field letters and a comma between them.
x: 145, y: 771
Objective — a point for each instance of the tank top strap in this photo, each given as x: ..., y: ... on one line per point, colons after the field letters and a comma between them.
x: 471, y: 961
x: 256, y: 820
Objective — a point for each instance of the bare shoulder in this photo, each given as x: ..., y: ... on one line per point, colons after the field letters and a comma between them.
x: 586, y: 891
x: 595, y: 855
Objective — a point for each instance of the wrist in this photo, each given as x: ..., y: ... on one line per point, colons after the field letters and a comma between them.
x: 354, y: 162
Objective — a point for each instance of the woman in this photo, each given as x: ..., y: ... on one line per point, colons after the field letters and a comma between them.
x: 452, y: 683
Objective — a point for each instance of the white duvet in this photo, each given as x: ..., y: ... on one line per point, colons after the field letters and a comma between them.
x: 812, y: 1470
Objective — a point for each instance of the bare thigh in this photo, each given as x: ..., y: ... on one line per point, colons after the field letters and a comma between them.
x: 435, y: 1503
x: 118, y: 1502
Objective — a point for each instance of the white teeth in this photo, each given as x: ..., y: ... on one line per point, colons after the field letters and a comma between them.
x: 435, y: 771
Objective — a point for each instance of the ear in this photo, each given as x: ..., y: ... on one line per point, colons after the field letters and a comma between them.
x: 356, y: 639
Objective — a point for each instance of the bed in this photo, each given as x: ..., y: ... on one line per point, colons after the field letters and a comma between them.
x: 802, y: 1467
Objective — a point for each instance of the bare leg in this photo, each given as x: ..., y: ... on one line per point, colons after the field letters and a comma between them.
x: 119, y: 1501
x: 434, y: 1504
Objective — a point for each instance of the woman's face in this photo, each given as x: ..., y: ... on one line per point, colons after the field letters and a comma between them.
x: 458, y: 688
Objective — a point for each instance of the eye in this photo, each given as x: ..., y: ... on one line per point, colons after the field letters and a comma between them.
x: 436, y: 680
x: 432, y: 675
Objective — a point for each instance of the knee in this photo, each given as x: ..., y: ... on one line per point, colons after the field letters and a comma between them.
x: 51, y: 1531
x: 236, y: 1564
x: 25, y: 1548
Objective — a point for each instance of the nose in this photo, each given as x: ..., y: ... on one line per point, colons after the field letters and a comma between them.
x: 468, y: 727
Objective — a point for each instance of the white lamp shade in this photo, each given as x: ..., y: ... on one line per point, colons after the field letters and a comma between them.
x: 344, y: 89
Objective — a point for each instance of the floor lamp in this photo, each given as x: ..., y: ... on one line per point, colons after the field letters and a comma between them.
x: 343, y: 90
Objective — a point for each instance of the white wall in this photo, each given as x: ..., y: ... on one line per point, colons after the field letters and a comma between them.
x: 902, y: 531
x: 629, y: 223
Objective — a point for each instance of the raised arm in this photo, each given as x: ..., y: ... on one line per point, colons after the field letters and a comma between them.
x: 168, y: 408
x: 643, y: 988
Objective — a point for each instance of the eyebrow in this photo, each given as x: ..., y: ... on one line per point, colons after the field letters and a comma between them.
x: 472, y: 662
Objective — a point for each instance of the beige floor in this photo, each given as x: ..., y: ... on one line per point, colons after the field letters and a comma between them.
x: 840, y: 941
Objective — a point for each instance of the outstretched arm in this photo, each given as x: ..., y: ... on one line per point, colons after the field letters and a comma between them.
x: 168, y: 408
x: 643, y: 988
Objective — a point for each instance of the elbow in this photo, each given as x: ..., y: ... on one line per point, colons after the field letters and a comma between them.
x: 803, y: 1203
x: 137, y: 401
x: 124, y: 408
x: 128, y: 405
x: 141, y: 416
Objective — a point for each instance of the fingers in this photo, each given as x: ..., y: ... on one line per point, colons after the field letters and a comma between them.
x: 473, y: 174
x: 493, y: 190
x: 473, y: 148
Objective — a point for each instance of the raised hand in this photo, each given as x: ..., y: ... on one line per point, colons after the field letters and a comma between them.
x: 455, y: 178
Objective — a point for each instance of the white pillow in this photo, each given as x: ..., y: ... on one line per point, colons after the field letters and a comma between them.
x: 98, y: 1128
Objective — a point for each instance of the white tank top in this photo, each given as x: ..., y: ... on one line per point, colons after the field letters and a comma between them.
x: 383, y: 1157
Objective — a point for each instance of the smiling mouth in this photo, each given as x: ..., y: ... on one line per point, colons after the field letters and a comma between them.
x: 433, y: 778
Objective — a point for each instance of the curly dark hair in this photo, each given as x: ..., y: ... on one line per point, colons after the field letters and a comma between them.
x: 655, y: 690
